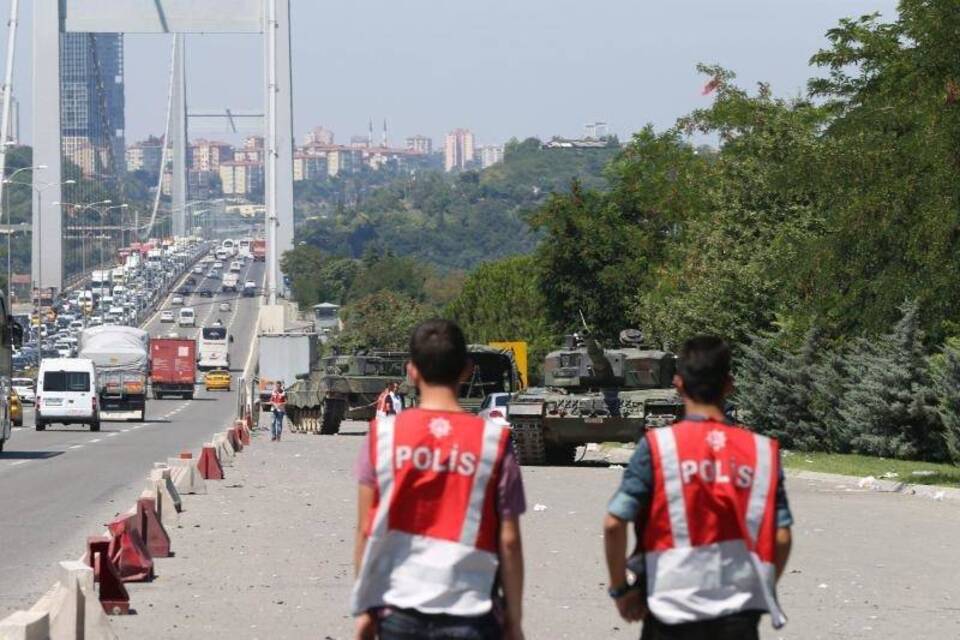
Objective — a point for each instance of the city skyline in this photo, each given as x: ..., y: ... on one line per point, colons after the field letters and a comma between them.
x: 544, y: 73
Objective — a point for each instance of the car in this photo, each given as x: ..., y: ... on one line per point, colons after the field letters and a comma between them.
x: 494, y: 408
x: 217, y: 380
x: 225, y: 306
x: 94, y: 321
x: 16, y: 409
x: 213, y: 275
x: 187, y: 318
x: 167, y: 316
x: 191, y: 281
x: 205, y: 293
x: 24, y: 388
x: 198, y: 270
x: 176, y: 300
x: 67, y: 393
x: 218, y: 265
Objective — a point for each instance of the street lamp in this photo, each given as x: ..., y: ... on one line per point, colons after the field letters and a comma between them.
x: 6, y: 211
x: 83, y: 235
x: 38, y: 189
x: 102, y: 230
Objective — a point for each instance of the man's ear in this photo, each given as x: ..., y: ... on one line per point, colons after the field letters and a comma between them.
x: 467, y: 372
x: 678, y: 385
x: 413, y: 374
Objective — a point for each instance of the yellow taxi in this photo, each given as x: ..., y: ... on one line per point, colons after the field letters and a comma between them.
x: 217, y: 380
x: 16, y: 409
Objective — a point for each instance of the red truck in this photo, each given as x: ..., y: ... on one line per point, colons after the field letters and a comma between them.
x: 173, y: 367
x: 258, y: 248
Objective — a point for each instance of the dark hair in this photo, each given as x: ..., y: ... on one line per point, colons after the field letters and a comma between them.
x: 704, y: 367
x: 439, y: 351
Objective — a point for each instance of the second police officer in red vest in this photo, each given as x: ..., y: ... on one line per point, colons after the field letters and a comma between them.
x: 438, y: 535
x: 707, y: 500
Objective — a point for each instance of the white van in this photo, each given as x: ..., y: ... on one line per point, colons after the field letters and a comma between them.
x: 186, y: 317
x: 67, y: 393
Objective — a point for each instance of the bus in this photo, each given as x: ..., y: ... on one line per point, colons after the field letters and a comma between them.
x: 213, y: 348
x: 243, y: 248
x: 229, y: 246
x: 11, y: 335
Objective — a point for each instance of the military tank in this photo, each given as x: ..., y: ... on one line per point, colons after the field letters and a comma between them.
x: 346, y: 387
x: 343, y: 387
x: 592, y: 394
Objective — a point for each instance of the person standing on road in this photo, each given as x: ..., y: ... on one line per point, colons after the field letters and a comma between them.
x: 278, y: 400
x: 710, y: 511
x: 384, y: 403
x: 396, y: 402
x: 438, y: 551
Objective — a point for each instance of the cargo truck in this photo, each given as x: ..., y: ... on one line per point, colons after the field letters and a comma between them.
x: 173, y: 367
x: 121, y: 357
x: 283, y: 358
x: 258, y: 247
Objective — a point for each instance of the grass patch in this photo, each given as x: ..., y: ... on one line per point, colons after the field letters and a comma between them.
x: 909, y: 471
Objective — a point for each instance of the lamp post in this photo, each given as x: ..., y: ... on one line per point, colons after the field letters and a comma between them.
x: 6, y: 214
x: 101, y: 212
x: 83, y: 231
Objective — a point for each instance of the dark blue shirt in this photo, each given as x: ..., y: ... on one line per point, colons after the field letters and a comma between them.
x: 636, y: 488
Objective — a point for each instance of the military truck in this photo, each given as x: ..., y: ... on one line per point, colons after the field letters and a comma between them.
x: 346, y: 387
x: 592, y: 394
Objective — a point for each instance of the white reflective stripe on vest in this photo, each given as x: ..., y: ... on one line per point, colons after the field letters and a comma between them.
x: 418, y: 572
x: 673, y: 483
x: 690, y: 583
x: 488, y: 456
x: 760, y: 490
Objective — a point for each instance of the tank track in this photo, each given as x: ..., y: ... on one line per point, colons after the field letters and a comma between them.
x: 333, y: 411
x: 528, y: 444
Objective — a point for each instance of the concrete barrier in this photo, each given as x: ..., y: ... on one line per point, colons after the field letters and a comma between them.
x: 186, y: 476
x: 128, y: 551
x: 168, y: 500
x: 209, y: 464
x: 72, y: 606
x: 225, y: 452
x: 151, y: 529
x: 25, y: 625
x: 244, y: 431
x: 114, y: 597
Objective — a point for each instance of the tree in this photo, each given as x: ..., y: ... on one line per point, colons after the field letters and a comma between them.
x: 892, y: 408
x: 501, y: 301
x: 381, y: 320
x: 946, y: 376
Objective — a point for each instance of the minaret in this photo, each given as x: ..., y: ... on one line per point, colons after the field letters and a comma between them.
x: 370, y: 133
x: 384, y: 145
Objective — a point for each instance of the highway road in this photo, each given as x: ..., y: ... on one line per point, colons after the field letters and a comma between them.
x: 59, y: 486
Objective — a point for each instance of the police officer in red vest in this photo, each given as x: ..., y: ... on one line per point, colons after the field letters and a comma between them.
x: 707, y: 501
x: 438, y: 552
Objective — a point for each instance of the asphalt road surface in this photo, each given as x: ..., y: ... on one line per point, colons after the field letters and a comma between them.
x: 59, y: 486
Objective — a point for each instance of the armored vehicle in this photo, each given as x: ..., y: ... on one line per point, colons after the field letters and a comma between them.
x: 342, y: 387
x: 346, y: 387
x: 593, y: 394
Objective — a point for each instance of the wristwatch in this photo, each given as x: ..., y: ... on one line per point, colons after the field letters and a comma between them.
x: 618, y: 592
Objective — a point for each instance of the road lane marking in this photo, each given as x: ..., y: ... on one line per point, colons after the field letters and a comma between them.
x: 112, y: 435
x: 95, y: 440
x: 77, y: 446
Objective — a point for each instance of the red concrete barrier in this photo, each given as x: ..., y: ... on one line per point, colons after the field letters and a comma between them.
x: 209, y: 464
x: 151, y: 529
x: 242, y: 432
x: 114, y: 597
x: 186, y: 455
x: 233, y: 433
x: 128, y: 552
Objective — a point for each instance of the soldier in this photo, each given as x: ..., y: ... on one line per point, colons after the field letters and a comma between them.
x: 710, y: 511
x: 440, y: 498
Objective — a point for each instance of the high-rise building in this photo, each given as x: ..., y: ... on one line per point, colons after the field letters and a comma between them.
x: 320, y: 136
x: 420, y: 144
x: 308, y: 166
x: 458, y: 152
x: 92, y: 101
x: 241, y: 178
x: 206, y: 155
x: 489, y: 155
x: 145, y: 155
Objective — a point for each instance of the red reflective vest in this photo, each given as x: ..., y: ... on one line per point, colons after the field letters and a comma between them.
x: 432, y: 542
x: 709, y: 537
x: 384, y: 406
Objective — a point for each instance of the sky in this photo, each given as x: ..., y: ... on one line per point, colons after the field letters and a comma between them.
x: 502, y: 68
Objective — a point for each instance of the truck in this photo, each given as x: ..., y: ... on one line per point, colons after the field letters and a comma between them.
x: 258, y: 248
x: 231, y: 281
x: 173, y: 367
x: 283, y: 358
x: 100, y: 283
x: 121, y: 357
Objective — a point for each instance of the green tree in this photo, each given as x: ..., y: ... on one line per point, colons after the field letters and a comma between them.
x: 946, y: 377
x: 891, y: 408
x: 381, y: 320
